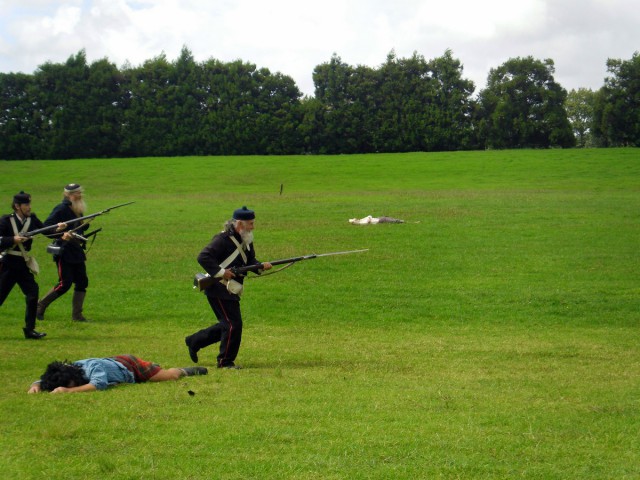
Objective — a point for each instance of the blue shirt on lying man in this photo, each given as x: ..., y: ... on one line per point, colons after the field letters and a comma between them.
x: 100, y: 373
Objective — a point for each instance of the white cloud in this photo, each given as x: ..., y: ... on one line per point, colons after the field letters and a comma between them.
x: 293, y: 36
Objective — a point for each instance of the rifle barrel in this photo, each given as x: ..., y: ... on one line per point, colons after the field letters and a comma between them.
x: 204, y: 280
x: 74, y: 220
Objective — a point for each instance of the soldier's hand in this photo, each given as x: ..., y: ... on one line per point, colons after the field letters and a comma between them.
x: 18, y: 239
x: 61, y: 226
x: 67, y: 236
x: 267, y: 266
x: 228, y: 274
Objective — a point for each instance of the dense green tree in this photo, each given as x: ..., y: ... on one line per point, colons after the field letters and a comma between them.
x: 185, y: 95
x: 149, y: 118
x: 80, y: 108
x: 248, y: 111
x: 311, y: 128
x: 580, y: 105
x: 162, y: 108
x: 106, y: 100
x: 19, y: 126
x: 279, y: 113
x: 617, y: 106
x: 363, y: 104
x: 404, y: 95
x: 332, y: 84
x: 453, y: 106
x: 523, y: 106
x: 407, y: 104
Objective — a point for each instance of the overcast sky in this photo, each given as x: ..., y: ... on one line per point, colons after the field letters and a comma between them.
x: 294, y: 36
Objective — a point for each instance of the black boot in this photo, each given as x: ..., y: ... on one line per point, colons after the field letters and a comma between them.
x: 201, y: 339
x: 191, y: 371
x: 76, y: 304
x: 45, y: 302
x: 32, y: 334
x: 193, y: 353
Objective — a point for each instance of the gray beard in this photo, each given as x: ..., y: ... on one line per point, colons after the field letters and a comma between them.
x: 79, y: 207
x: 247, y: 237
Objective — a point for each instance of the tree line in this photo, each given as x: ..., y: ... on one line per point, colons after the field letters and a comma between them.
x: 182, y: 107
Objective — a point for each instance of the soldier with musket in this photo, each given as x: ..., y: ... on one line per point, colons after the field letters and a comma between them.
x: 233, y: 247
x: 70, y: 256
x: 17, y: 266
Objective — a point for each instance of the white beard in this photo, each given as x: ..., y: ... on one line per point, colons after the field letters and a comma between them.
x: 247, y: 237
x: 79, y: 207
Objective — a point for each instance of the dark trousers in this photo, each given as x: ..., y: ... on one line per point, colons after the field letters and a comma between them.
x: 12, y: 272
x: 228, y: 331
x: 71, y: 273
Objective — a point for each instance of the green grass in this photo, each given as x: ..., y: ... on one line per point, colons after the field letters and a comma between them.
x: 494, y: 335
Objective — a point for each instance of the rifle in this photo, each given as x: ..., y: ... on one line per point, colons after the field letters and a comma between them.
x: 32, y: 233
x: 85, y: 238
x: 204, y: 280
x: 55, y: 249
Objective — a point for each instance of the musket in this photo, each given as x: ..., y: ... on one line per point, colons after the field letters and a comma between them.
x: 204, y: 280
x: 72, y: 221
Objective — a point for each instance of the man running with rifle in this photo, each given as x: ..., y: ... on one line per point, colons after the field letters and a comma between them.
x: 17, y: 266
x: 233, y: 247
x: 70, y: 258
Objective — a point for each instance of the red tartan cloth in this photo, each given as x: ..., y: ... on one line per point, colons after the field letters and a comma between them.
x: 141, y: 369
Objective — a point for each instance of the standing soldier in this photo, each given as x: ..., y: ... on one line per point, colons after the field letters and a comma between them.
x: 233, y: 247
x: 71, y: 258
x: 16, y: 265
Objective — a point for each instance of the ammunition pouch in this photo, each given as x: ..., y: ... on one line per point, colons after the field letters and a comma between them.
x: 234, y: 287
x: 32, y: 265
x: 203, y: 280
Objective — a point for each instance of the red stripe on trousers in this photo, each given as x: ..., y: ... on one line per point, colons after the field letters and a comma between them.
x: 226, y: 317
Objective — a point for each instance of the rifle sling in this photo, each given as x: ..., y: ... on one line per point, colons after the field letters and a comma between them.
x: 21, y: 252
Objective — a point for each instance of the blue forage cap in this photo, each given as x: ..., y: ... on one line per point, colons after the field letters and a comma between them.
x: 244, y: 214
x: 73, y: 188
x: 21, y: 198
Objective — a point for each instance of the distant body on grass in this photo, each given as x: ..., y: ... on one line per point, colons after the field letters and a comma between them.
x: 370, y: 220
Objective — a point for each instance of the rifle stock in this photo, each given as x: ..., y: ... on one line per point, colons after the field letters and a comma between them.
x: 204, y: 280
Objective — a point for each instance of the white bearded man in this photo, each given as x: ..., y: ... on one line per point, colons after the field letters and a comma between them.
x: 71, y: 257
x: 233, y: 247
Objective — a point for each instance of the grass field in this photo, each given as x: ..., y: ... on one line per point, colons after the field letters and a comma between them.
x: 494, y: 335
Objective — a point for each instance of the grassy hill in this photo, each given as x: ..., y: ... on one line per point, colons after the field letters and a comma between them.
x: 495, y: 334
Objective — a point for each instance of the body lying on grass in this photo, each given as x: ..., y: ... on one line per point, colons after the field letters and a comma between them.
x: 93, y: 374
x: 369, y: 220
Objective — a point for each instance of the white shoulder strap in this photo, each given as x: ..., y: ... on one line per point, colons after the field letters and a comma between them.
x: 25, y: 227
x: 238, y: 251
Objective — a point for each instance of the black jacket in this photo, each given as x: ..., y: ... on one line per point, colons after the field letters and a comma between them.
x: 216, y: 252
x: 7, y: 234
x: 72, y: 250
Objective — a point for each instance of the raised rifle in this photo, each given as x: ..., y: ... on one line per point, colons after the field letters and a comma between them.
x: 204, y: 280
x: 33, y: 233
